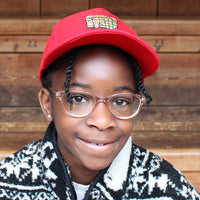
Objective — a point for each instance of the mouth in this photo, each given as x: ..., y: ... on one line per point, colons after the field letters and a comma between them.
x: 98, y: 145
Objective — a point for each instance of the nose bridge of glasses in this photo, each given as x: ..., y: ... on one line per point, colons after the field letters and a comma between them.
x: 102, y: 112
x: 101, y: 100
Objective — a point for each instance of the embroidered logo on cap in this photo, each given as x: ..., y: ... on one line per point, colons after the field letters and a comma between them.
x: 101, y: 21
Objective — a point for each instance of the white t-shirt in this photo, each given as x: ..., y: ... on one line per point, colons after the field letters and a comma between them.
x: 80, y: 190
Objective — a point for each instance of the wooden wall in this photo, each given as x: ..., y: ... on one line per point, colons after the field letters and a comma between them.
x: 169, y: 127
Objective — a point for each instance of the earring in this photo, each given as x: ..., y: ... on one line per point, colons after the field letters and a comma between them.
x: 49, y: 116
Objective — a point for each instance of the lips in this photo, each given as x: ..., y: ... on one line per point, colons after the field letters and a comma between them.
x: 97, y: 145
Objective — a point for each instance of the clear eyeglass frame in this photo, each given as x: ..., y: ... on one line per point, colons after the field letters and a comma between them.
x: 62, y: 97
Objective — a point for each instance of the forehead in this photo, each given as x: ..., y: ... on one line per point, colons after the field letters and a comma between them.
x: 100, y: 62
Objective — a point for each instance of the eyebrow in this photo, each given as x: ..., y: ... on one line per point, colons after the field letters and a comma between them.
x: 81, y: 85
x: 116, y: 89
x: 122, y: 88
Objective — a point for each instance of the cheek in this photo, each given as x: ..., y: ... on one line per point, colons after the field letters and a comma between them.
x: 126, y: 127
x: 63, y: 122
x: 67, y: 130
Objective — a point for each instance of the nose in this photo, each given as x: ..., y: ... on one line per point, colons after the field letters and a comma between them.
x: 101, y: 118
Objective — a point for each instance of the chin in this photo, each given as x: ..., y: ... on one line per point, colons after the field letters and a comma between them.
x: 97, y: 165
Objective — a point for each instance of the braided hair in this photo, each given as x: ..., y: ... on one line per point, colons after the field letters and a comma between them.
x: 69, y: 69
x: 139, y: 78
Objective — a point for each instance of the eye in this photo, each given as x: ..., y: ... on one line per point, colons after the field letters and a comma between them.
x: 78, y: 98
x: 121, y: 102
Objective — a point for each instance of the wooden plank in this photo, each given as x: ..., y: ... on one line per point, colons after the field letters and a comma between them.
x: 19, y: 82
x: 30, y: 43
x: 168, y: 126
x: 23, y: 126
x: 165, y: 26
x: 19, y: 65
x: 27, y: 26
x: 20, y: 8
x: 62, y: 8
x: 173, y: 92
x: 177, y: 81
x: 174, y: 43
x: 16, y: 91
x: 166, y: 139
x: 36, y: 43
x: 185, y: 8
x: 44, y: 26
x: 21, y: 114
x: 128, y: 7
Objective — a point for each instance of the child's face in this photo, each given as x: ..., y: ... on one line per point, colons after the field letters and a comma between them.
x: 101, y: 71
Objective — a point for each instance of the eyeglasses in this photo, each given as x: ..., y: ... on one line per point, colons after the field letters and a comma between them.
x: 121, y: 105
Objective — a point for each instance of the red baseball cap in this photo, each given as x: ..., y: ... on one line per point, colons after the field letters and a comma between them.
x: 98, y: 26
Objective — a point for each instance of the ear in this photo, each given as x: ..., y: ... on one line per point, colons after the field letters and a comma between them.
x: 44, y: 98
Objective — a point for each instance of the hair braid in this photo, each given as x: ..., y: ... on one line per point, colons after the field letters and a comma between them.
x: 69, y: 70
x: 139, y: 87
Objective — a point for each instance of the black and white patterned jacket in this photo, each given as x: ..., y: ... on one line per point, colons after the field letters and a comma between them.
x: 37, y: 172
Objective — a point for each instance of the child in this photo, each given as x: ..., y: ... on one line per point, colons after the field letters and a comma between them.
x: 92, y: 72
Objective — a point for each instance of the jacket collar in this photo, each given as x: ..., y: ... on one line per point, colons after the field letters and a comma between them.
x: 117, y: 172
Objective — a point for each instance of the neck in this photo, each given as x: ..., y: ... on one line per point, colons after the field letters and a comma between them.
x: 82, y: 175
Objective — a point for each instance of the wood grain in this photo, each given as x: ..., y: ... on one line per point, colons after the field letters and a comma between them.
x: 174, y: 44
x: 25, y: 8
x: 177, y: 81
x: 23, y: 43
x: 185, y: 8
x: 128, y: 7
x: 166, y: 139
x: 62, y: 8
x: 44, y: 26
